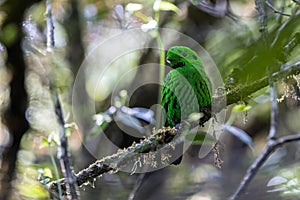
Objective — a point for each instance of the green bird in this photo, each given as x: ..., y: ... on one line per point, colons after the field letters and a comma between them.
x: 186, y: 89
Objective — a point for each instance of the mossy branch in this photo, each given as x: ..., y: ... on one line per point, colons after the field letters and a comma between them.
x: 242, y: 93
x: 115, y: 162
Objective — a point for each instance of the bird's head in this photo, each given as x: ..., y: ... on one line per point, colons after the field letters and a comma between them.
x: 179, y: 56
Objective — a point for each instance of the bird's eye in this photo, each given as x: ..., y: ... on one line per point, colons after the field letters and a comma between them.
x: 184, y: 54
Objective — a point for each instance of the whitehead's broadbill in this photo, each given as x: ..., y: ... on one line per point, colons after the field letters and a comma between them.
x: 186, y: 89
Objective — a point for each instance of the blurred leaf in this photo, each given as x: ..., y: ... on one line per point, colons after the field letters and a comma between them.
x: 142, y: 17
x: 240, y: 134
x: 27, y: 184
x: 45, y: 175
x: 130, y: 121
x: 166, y: 6
x: 285, y: 186
x: 53, y: 138
x: 127, y: 116
x: 68, y: 132
x: 143, y: 113
x: 105, y: 117
x: 101, y: 121
x: 123, y: 96
x: 119, y: 12
x: 48, y: 172
x: 261, y: 99
x: 9, y: 34
x: 35, y: 191
x: 71, y: 125
x: 96, y: 130
x: 199, y: 137
x: 241, y: 108
x: 44, y: 142
x: 195, y: 116
x: 45, y: 180
x: 67, y: 117
x: 277, y: 180
x: 68, y: 127
x: 132, y: 7
x: 149, y: 27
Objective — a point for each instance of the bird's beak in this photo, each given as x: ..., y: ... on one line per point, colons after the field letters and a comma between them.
x: 168, y: 61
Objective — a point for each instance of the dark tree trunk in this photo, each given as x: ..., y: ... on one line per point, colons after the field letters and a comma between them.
x: 14, y: 116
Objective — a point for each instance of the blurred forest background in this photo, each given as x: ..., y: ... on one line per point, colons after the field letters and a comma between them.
x: 254, y: 44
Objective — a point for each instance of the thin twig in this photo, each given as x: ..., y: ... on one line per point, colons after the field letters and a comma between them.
x: 271, y: 146
x: 263, y: 19
x: 136, y: 186
x: 294, y: 42
x: 56, y: 172
x: 62, y: 152
x: 50, y: 26
x: 275, y: 10
x: 285, y: 29
x: 63, y: 155
x: 274, y: 110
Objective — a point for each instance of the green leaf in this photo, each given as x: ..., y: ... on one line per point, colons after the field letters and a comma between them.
x: 96, y: 130
x: 9, y: 34
x: 48, y: 172
x: 166, y: 6
x: 71, y: 125
x: 53, y: 138
x: 33, y: 191
x: 44, y: 142
x: 241, y: 108
x: 142, y: 17
x: 199, y: 138
x: 68, y: 132
x: 45, y: 175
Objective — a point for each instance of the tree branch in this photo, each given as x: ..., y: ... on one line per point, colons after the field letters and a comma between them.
x: 239, y: 93
x: 285, y: 29
x: 14, y: 115
x: 63, y: 154
x: 271, y: 146
x: 123, y: 158
x: 275, y: 10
